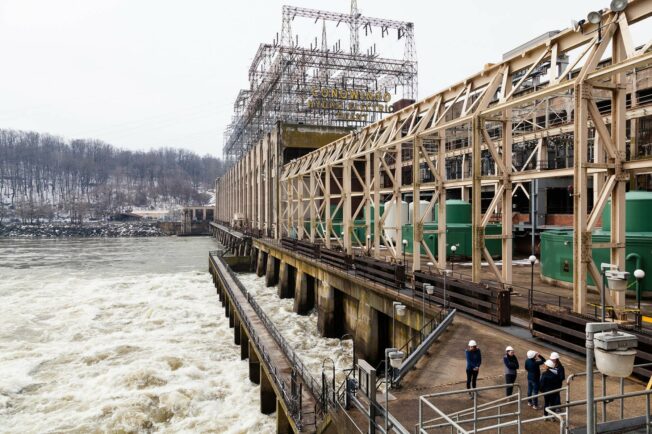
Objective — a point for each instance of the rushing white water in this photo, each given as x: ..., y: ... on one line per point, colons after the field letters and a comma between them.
x: 301, y: 331
x: 120, y: 335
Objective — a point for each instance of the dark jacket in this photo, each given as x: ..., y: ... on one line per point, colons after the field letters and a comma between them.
x: 561, y: 371
x: 473, y: 359
x: 511, y: 364
x: 550, y: 380
x: 532, y: 367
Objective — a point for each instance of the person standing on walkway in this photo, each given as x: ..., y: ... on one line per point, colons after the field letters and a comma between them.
x: 511, y: 368
x: 532, y: 365
x: 473, y: 362
x: 561, y: 371
x: 550, y: 380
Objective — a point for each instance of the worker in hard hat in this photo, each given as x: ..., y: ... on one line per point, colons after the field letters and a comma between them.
x: 511, y: 369
x: 473, y: 362
x: 550, y: 380
x: 532, y: 365
x: 561, y: 371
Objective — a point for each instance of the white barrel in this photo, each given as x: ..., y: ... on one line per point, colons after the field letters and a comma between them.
x: 423, y: 205
x: 392, y: 218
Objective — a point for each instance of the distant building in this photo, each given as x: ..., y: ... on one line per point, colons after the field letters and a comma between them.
x: 195, y: 220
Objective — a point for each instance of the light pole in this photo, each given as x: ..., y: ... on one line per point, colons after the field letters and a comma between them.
x: 614, y: 356
x: 430, y: 290
x: 640, y: 275
x: 404, y: 249
x: 323, y: 378
x: 453, y: 250
x: 603, y: 268
x: 369, y: 244
x: 446, y: 272
x: 533, y: 260
x: 426, y: 288
x: 393, y: 358
x: 615, y: 279
x: 353, y: 342
x: 430, y: 264
x: 397, y: 308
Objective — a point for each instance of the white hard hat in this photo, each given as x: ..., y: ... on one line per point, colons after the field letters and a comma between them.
x: 473, y: 343
x: 554, y: 356
x: 550, y: 363
x: 509, y: 348
x: 531, y: 354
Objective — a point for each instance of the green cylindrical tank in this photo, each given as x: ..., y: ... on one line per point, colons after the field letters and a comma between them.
x: 456, y: 234
x: 457, y: 211
x: 458, y: 231
x: 557, y: 246
x: 637, y: 218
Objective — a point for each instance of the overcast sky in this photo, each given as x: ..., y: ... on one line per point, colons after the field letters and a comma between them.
x: 141, y: 74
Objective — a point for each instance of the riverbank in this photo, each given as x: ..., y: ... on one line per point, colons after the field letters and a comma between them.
x: 86, y: 230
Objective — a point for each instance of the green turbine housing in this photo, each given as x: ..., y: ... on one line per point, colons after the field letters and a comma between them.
x: 557, y: 245
x: 458, y: 231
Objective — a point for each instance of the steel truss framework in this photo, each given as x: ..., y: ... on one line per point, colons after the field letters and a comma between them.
x: 283, y: 74
x: 481, y: 121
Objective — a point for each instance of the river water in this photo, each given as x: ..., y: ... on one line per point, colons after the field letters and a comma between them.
x: 118, y: 335
x: 301, y: 332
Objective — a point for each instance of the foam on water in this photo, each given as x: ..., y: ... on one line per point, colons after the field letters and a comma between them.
x: 141, y: 346
x: 301, y: 330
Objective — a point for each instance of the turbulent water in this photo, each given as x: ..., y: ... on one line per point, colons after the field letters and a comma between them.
x: 119, y: 335
x: 301, y: 331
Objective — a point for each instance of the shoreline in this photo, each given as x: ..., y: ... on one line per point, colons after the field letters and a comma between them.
x: 85, y: 230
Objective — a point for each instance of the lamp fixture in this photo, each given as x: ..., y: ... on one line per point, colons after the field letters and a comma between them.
x: 618, y: 5
x: 594, y: 17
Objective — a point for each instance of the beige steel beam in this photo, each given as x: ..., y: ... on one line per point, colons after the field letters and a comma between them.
x: 496, y: 99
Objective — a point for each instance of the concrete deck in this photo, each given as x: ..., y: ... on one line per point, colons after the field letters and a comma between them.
x: 443, y: 369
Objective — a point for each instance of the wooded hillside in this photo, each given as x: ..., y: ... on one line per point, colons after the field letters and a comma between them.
x: 44, y: 176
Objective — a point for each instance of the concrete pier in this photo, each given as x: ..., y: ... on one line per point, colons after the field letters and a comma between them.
x: 286, y: 281
x: 346, y: 303
x: 244, y: 344
x: 304, y: 293
x: 261, y: 263
x: 254, y: 366
x: 326, y: 310
x: 272, y: 273
x: 267, y: 395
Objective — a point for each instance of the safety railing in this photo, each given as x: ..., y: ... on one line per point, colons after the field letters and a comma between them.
x: 417, y: 345
x: 480, y: 418
x: 292, y: 400
x: 487, y: 417
x: 621, y: 390
x: 442, y: 321
x: 619, y: 425
x: 313, y: 385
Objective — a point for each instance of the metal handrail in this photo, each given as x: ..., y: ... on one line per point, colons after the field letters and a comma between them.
x: 605, y: 399
x: 456, y: 423
x: 495, y: 403
x: 453, y: 419
x: 621, y: 384
x: 313, y: 386
x: 285, y: 389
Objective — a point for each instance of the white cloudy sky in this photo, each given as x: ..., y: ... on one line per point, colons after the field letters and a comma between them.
x: 149, y: 73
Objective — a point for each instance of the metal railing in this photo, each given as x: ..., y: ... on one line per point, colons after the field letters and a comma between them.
x: 416, y: 346
x: 621, y: 390
x: 313, y: 385
x: 621, y: 425
x: 478, y: 414
x: 290, y: 397
x: 425, y: 342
